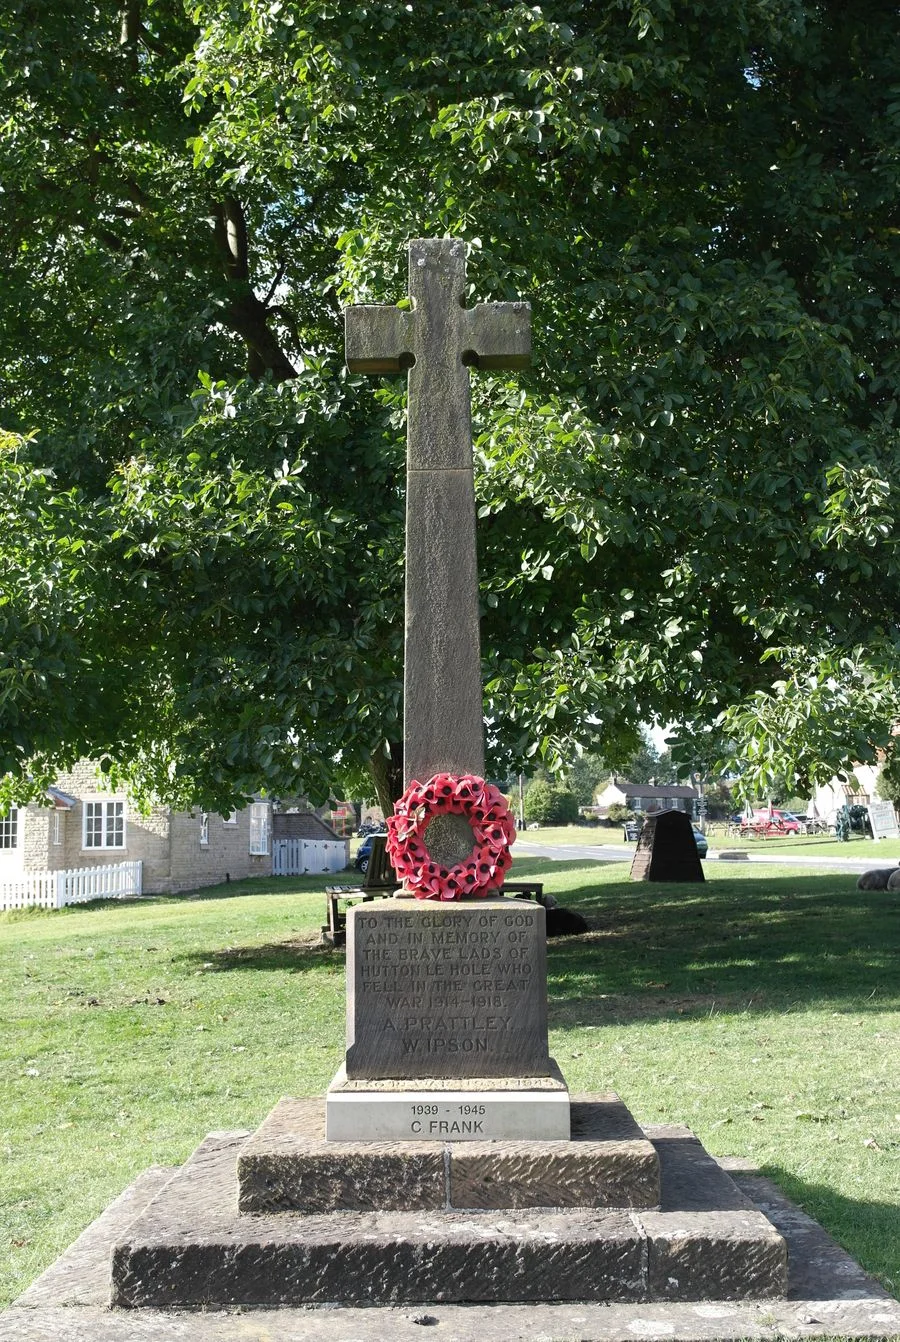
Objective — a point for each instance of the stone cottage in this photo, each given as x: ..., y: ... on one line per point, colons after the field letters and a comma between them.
x: 87, y: 825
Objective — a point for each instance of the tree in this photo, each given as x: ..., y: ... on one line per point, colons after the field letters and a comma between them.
x: 684, y: 508
x: 550, y: 804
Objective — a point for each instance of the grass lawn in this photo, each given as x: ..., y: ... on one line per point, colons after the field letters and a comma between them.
x: 760, y: 1008
x: 883, y: 853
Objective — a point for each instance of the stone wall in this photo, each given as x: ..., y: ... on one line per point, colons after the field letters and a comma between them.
x: 227, y: 856
x: 166, y: 842
x: 146, y: 836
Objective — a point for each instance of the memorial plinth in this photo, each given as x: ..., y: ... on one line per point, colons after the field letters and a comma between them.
x: 447, y: 990
x: 447, y: 1025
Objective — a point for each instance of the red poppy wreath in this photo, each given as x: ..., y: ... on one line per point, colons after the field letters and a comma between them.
x: 493, y: 830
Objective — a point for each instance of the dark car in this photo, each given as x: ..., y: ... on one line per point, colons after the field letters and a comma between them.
x: 700, y: 840
x: 361, y: 862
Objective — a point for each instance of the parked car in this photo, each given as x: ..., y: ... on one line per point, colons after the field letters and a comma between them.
x: 364, y: 852
x: 769, y: 824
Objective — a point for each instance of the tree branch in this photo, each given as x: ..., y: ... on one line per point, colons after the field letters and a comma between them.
x: 245, y: 313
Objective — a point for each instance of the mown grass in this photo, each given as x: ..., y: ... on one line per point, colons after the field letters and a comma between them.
x: 760, y: 1008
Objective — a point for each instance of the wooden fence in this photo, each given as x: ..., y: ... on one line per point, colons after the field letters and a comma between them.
x: 55, y: 889
x: 298, y: 857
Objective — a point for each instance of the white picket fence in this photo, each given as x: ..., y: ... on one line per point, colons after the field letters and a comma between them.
x: 297, y: 857
x: 54, y: 889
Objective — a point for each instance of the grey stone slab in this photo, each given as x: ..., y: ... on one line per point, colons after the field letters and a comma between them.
x: 454, y: 1116
x: 829, y: 1296
x: 287, y: 1165
x: 446, y: 990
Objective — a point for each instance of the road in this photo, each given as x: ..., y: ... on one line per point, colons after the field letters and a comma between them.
x: 623, y: 852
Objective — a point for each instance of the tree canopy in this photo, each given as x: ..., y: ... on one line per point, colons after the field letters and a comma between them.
x: 686, y: 508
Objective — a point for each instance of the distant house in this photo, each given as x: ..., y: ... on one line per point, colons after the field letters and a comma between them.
x: 858, y: 790
x: 645, y: 798
x: 87, y: 825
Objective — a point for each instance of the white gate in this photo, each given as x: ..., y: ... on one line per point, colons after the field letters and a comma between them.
x: 298, y: 857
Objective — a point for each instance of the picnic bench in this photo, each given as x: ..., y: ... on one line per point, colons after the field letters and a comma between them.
x: 380, y: 882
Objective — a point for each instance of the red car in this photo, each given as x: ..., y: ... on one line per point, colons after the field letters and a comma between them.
x: 771, y: 823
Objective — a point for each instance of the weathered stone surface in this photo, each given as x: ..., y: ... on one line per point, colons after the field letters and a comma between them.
x: 287, y: 1165
x: 446, y: 990
x: 534, y: 1174
x: 437, y: 341
x: 443, y: 721
x: 708, y: 1241
x: 607, y: 1163
x: 829, y: 1296
x: 190, y: 1248
x: 667, y: 850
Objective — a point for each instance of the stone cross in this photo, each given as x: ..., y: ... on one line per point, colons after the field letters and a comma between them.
x: 438, y: 340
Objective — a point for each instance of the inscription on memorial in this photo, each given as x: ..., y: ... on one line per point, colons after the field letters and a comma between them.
x: 446, y: 991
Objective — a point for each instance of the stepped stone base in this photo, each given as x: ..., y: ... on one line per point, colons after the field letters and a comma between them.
x: 191, y: 1247
x: 287, y: 1165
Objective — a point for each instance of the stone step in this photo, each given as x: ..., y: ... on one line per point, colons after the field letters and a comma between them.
x: 288, y: 1165
x: 191, y: 1247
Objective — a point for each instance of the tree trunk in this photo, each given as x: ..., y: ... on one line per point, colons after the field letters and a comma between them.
x: 387, y: 776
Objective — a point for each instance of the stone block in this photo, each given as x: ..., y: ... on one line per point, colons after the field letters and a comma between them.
x: 667, y: 850
x: 446, y: 990
x: 607, y: 1163
x: 460, y: 1109
x: 707, y: 1241
x: 191, y: 1249
x: 287, y: 1165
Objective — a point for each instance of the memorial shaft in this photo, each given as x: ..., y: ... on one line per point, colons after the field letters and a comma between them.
x: 438, y: 340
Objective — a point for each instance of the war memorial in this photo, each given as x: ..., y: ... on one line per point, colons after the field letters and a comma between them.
x: 449, y: 1179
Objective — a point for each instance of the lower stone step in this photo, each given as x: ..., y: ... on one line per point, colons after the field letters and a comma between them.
x: 191, y: 1247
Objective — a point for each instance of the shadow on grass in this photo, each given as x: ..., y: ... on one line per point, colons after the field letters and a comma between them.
x: 293, y: 956
x: 661, y: 950
x: 667, y: 951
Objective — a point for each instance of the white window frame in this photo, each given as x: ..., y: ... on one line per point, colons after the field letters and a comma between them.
x: 259, y: 829
x: 230, y: 819
x: 57, y: 827
x: 97, y: 839
x: 9, y: 830
x: 204, y: 829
